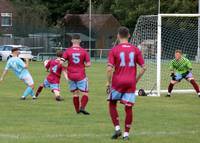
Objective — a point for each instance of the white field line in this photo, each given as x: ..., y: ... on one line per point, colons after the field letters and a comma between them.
x: 91, y: 135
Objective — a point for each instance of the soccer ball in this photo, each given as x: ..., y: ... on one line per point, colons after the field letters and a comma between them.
x: 45, y: 62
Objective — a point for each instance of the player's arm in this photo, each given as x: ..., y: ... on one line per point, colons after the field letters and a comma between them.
x: 26, y: 63
x: 109, y: 71
x: 3, y: 74
x: 87, y: 64
x: 5, y: 71
x: 64, y: 59
x: 189, y: 65
x: 110, y: 66
x: 189, y: 68
x: 140, y: 61
x: 48, y: 66
x: 142, y: 71
x: 65, y: 74
x: 109, y: 75
x: 109, y: 78
x: 87, y: 60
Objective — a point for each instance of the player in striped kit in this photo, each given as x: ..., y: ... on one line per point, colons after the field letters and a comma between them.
x: 181, y: 68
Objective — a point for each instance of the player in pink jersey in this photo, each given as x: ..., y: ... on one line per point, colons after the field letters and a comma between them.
x: 121, y: 83
x: 53, y: 79
x: 77, y: 59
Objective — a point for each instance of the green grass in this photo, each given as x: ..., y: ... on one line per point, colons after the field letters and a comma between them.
x: 157, y: 119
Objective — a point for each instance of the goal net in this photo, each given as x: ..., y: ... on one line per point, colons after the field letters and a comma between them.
x: 158, y: 36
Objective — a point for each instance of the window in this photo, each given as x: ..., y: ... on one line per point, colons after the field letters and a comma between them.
x: 6, y: 19
x: 7, y: 35
x: 7, y: 48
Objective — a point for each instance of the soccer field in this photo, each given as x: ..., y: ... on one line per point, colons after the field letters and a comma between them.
x: 157, y: 119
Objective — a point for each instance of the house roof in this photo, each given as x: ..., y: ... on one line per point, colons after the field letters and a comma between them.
x: 97, y: 20
x: 6, y: 6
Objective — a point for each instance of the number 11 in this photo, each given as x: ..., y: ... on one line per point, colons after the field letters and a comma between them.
x: 131, y: 58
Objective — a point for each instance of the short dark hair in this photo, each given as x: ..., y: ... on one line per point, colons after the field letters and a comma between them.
x: 14, y: 49
x: 59, y: 54
x: 123, y: 32
x: 76, y: 37
x: 179, y: 51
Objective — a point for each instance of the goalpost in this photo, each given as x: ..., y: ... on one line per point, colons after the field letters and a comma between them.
x: 158, y: 36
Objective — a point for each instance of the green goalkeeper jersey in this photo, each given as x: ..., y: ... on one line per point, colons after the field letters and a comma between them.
x: 180, y: 66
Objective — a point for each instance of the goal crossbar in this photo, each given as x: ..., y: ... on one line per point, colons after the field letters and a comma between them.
x: 178, y: 15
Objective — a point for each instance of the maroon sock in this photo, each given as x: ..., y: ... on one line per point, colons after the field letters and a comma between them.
x: 76, y: 103
x: 113, y: 112
x: 170, y: 87
x: 84, y: 101
x: 129, y: 118
x: 195, y: 85
x: 39, y: 90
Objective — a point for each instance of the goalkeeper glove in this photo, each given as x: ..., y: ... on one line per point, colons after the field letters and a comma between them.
x: 173, y: 76
x: 108, y: 89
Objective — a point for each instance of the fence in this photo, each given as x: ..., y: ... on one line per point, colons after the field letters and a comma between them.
x: 101, y: 34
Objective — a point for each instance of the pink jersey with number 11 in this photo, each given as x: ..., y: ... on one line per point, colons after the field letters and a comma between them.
x: 124, y: 58
x: 76, y: 57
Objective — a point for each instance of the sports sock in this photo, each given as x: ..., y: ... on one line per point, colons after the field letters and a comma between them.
x: 76, y: 103
x: 126, y: 134
x: 117, y: 128
x: 39, y: 90
x: 28, y: 91
x: 84, y: 101
x: 113, y: 113
x: 170, y: 88
x: 32, y: 93
x: 129, y: 118
x: 195, y: 85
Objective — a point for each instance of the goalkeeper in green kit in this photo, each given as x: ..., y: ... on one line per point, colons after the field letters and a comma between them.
x: 181, y: 68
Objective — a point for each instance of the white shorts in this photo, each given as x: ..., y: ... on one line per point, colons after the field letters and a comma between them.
x: 28, y: 80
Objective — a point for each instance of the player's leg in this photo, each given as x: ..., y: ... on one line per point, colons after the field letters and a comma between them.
x: 83, y: 103
x: 39, y: 90
x: 55, y: 88
x: 175, y: 79
x: 191, y: 79
x: 76, y: 101
x: 73, y: 88
x: 128, y: 100
x: 83, y: 87
x: 170, y: 87
x: 57, y: 95
x: 128, y: 121
x: 113, y: 97
x: 30, y: 89
x: 45, y: 84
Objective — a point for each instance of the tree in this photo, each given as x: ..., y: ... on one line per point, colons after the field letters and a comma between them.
x: 126, y: 11
x: 30, y: 17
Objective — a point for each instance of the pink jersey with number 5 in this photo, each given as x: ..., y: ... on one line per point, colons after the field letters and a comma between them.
x: 124, y: 58
x: 55, y: 69
x: 76, y: 57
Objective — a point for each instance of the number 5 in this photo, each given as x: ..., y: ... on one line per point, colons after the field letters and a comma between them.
x: 76, y: 58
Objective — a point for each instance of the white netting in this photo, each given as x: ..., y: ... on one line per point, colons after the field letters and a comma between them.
x: 176, y: 33
x: 145, y: 37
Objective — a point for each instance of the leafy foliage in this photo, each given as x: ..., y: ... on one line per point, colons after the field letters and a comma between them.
x: 126, y: 11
